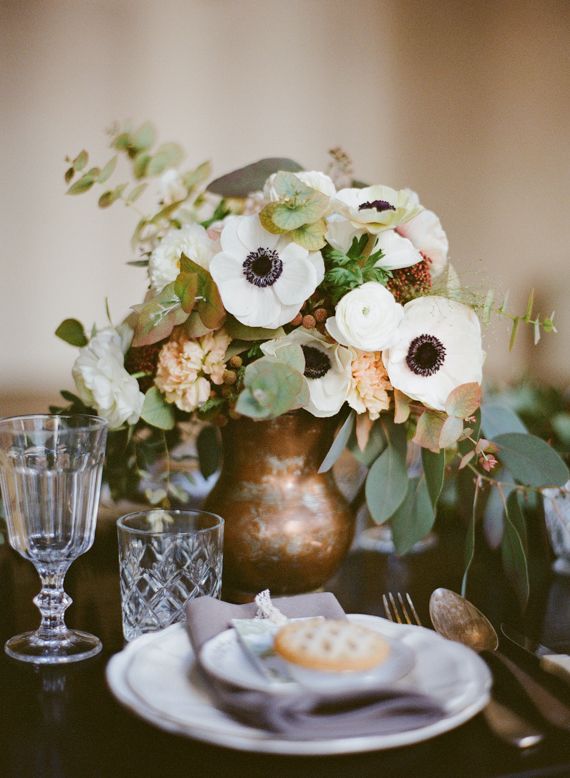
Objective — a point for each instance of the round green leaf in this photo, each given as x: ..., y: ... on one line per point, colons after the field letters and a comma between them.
x: 156, y: 411
x: 530, y: 460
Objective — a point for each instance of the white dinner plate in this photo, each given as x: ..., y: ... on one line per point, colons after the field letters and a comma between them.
x: 156, y: 677
x: 224, y: 657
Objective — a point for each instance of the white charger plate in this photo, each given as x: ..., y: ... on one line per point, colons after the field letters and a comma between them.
x: 156, y: 677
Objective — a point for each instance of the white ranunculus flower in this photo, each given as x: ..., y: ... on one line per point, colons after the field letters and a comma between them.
x: 102, y: 381
x: 366, y: 318
x: 428, y: 236
x: 327, y: 369
x: 171, y: 187
x: 164, y: 264
x: 437, y: 348
x: 263, y: 278
x: 313, y: 178
x: 377, y: 208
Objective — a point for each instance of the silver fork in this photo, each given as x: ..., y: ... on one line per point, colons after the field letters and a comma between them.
x: 503, y: 721
x: 400, y: 608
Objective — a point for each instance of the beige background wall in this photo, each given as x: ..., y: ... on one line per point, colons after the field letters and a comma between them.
x: 468, y: 103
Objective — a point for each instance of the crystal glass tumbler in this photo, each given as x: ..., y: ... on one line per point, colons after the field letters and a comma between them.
x: 50, y: 475
x: 166, y: 559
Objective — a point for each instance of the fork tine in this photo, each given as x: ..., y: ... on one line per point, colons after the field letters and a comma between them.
x: 395, y: 608
x: 404, y: 610
x: 400, y: 608
x: 387, y: 610
x: 414, y: 611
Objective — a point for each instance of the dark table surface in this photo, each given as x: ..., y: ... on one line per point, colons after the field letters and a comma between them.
x: 64, y: 722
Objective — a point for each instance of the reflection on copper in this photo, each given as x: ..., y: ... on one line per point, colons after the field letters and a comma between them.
x: 287, y: 526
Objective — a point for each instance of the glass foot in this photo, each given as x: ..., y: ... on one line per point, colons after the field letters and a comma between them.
x: 72, y: 646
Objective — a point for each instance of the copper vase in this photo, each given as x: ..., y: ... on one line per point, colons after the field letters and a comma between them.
x: 287, y: 527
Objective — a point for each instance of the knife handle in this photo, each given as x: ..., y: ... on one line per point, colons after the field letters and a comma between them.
x: 553, y: 710
x: 557, y: 664
x: 510, y: 727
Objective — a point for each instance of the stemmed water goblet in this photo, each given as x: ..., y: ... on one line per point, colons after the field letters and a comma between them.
x: 50, y: 476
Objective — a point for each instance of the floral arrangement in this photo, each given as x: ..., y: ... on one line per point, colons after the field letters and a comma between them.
x: 276, y: 288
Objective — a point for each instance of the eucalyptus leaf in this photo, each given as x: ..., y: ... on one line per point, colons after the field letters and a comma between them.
x: 72, y: 332
x: 82, y: 184
x: 156, y: 411
x: 311, y: 236
x: 239, y: 331
x: 414, y: 518
x: 135, y: 193
x: 530, y: 460
x: 514, y: 560
x: 168, y: 155
x: 517, y: 517
x: 144, y: 137
x: 498, y: 418
x: 386, y: 484
x: 434, y: 471
x: 107, y: 170
x: 251, y: 178
x: 81, y: 160
x: 374, y: 447
x: 271, y: 388
x: 209, y: 451
x: 339, y: 443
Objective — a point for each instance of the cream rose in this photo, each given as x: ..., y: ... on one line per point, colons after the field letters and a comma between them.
x: 366, y: 318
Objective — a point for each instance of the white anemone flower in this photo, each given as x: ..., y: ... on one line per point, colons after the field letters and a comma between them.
x: 397, y: 251
x: 366, y: 318
x: 428, y: 236
x: 313, y: 178
x: 192, y: 240
x: 328, y: 370
x: 102, y: 381
x: 263, y: 279
x: 377, y: 208
x: 437, y: 348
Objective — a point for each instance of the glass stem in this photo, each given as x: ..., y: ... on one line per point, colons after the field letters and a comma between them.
x: 52, y: 602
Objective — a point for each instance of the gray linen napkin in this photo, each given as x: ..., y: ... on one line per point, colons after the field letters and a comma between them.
x: 306, y: 715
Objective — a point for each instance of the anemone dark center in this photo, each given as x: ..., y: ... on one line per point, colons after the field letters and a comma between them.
x: 426, y: 355
x: 377, y: 205
x: 262, y: 267
x: 317, y: 364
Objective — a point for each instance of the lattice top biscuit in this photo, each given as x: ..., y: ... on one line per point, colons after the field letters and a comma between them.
x: 333, y: 645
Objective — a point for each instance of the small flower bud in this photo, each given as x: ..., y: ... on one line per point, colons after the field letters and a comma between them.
x: 298, y: 320
x: 230, y: 377
x: 236, y: 361
x: 309, y: 321
x: 321, y: 314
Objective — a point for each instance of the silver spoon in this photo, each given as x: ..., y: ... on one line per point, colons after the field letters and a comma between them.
x: 457, y: 619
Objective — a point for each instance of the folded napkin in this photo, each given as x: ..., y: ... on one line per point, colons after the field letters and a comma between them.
x: 306, y: 715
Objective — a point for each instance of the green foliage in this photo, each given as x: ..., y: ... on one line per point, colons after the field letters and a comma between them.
x: 271, y: 388
x: 387, y: 480
x: 414, y: 518
x: 220, y: 212
x: 195, y: 280
x: 156, y: 411
x: 470, y: 540
x: 530, y: 460
x: 498, y: 418
x: 251, y: 178
x: 72, y: 332
x: 344, y: 272
x: 374, y: 447
x: 157, y: 317
x: 513, y: 549
x: 434, y: 471
x: 464, y: 400
x: 239, y: 331
x: 209, y: 450
x: 339, y: 443
x: 300, y: 212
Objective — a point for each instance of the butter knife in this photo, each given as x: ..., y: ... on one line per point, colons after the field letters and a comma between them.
x: 550, y: 660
